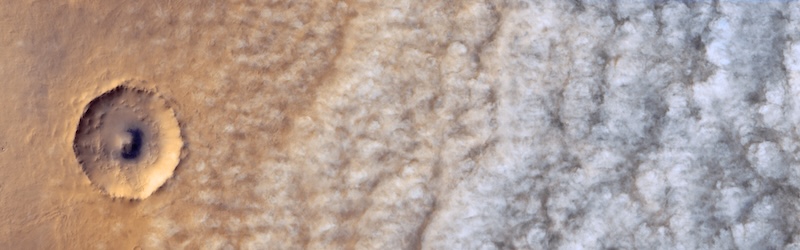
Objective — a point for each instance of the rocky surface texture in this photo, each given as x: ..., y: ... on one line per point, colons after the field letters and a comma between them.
x: 414, y: 124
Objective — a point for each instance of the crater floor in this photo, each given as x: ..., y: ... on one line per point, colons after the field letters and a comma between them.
x: 128, y: 142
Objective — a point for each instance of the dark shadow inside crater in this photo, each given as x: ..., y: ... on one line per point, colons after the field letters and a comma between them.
x: 133, y: 148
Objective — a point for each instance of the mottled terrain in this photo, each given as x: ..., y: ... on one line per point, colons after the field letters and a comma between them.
x: 414, y: 124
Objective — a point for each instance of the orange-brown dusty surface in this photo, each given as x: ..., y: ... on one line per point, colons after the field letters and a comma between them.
x: 412, y: 124
x: 302, y: 124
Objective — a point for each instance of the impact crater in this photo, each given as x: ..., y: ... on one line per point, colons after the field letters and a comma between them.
x: 128, y: 142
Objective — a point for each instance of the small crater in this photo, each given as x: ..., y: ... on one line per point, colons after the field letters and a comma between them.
x: 128, y: 142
